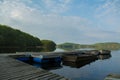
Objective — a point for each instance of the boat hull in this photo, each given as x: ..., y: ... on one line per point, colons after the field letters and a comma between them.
x: 74, y: 58
x: 104, y: 52
x: 24, y: 59
x: 45, y: 60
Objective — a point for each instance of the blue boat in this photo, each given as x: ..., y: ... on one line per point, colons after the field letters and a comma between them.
x: 24, y: 59
x: 46, y: 58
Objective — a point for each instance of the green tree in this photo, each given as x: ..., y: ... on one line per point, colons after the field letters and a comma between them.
x: 48, y: 45
x: 12, y: 40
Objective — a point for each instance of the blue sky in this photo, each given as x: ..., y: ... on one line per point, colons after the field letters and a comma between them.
x: 78, y: 21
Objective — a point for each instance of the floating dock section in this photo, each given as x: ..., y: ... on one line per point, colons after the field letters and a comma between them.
x: 78, y: 57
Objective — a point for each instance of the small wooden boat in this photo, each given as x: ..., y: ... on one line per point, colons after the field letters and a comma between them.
x: 46, y: 58
x: 78, y: 57
x: 77, y: 64
x: 24, y: 59
x: 21, y: 58
x: 91, y: 52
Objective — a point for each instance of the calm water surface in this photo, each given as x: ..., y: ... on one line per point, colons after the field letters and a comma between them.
x: 96, y: 70
x: 90, y: 70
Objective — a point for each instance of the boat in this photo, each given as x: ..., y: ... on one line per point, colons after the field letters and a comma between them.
x: 23, y: 58
x: 46, y: 58
x: 77, y: 64
x: 104, y: 52
x: 48, y: 66
x: 91, y: 52
x: 78, y: 57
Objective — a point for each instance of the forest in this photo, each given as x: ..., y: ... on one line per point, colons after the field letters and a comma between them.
x: 14, y: 40
x: 105, y: 45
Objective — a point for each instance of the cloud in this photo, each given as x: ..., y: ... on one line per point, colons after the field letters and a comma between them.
x: 44, y: 19
x: 19, y: 15
x: 108, y: 14
x: 59, y: 6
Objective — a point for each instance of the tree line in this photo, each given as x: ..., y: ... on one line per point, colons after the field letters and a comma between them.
x: 14, y: 40
x: 106, y: 45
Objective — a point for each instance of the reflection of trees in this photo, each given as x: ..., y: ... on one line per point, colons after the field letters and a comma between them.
x: 48, y: 66
x: 77, y: 64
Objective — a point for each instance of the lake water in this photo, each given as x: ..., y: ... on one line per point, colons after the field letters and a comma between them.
x: 96, y: 70
x: 90, y: 70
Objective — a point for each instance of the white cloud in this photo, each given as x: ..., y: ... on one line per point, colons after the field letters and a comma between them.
x: 52, y: 25
x: 58, y: 6
x: 109, y: 14
x: 21, y: 16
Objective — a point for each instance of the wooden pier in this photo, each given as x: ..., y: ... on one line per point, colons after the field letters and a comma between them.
x: 12, y: 69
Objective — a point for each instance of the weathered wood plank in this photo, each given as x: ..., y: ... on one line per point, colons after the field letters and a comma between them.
x: 12, y: 69
x: 27, y: 77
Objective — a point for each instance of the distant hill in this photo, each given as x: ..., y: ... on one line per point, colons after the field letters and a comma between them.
x: 107, y: 45
x: 14, y: 40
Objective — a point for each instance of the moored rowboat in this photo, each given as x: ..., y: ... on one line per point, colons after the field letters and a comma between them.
x: 78, y: 57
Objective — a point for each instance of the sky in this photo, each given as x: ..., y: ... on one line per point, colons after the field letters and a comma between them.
x: 77, y: 21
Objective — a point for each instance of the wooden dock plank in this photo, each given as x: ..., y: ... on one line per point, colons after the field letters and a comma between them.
x: 22, y: 76
x: 57, y: 78
x: 30, y: 76
x: 39, y: 76
x: 12, y: 69
x: 45, y: 77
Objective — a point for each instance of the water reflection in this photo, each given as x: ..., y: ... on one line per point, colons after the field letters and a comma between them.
x: 103, y: 57
x: 77, y: 64
x: 48, y: 66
